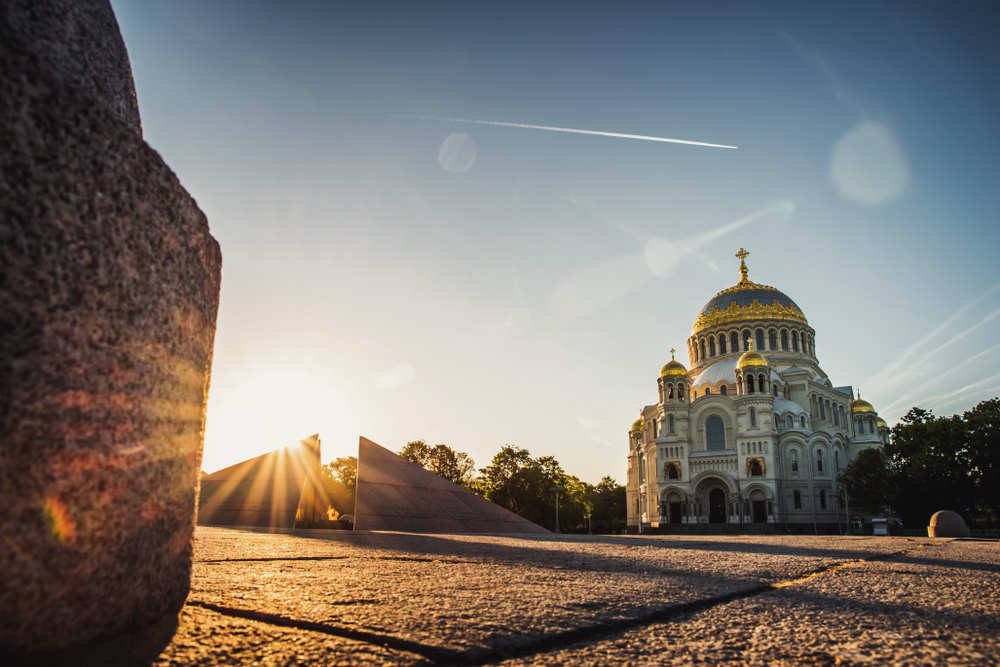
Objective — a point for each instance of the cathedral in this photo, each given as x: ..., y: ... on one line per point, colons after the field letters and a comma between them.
x: 754, y: 432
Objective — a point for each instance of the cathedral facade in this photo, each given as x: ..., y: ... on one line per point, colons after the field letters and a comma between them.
x: 754, y: 432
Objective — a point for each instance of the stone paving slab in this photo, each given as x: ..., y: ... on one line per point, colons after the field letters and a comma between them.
x: 209, y: 638
x: 477, y: 599
x: 929, y: 607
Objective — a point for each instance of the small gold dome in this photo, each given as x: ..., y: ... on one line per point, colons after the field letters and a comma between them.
x: 881, y: 423
x: 861, y: 406
x: 673, y: 368
x: 751, y: 359
x: 637, y: 425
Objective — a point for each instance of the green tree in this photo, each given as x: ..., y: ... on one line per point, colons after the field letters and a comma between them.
x: 608, y: 500
x: 870, y: 482
x: 457, y: 467
x: 932, y: 467
x: 983, y: 440
x: 524, y: 485
x: 340, y: 482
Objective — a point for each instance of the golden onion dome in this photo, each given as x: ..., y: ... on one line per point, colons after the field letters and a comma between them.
x: 747, y: 301
x: 751, y: 359
x: 860, y: 406
x: 637, y: 425
x: 673, y: 368
x: 881, y: 423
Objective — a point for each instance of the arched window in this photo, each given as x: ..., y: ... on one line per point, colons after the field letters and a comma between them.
x: 708, y: 390
x: 836, y: 461
x: 722, y: 344
x: 642, y: 470
x: 723, y: 390
x: 819, y: 460
x: 750, y: 384
x: 734, y: 342
x: 711, y: 346
x: 756, y: 470
x: 836, y: 415
x: 797, y: 499
x: 680, y: 391
x: 822, y: 410
x: 746, y: 340
x: 822, y: 499
x: 774, y: 390
x: 760, y: 384
x: 703, y: 349
x: 795, y: 460
x: 670, y: 391
x: 772, y: 340
x: 715, y: 433
x: 671, y: 420
x: 788, y: 421
x: 760, y: 339
x: 803, y: 420
x: 795, y: 341
x: 753, y: 417
x: 739, y: 386
x: 784, y: 340
x: 672, y: 472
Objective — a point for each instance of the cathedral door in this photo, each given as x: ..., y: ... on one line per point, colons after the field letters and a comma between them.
x: 759, y: 512
x: 675, y: 512
x: 716, y: 506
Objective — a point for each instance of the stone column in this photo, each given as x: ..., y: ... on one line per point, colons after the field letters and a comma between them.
x: 109, y: 287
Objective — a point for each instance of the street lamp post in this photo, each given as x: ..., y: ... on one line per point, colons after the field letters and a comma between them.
x: 557, y: 490
x: 847, y: 505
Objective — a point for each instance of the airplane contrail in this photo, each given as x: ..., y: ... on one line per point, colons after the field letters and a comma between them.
x: 572, y: 131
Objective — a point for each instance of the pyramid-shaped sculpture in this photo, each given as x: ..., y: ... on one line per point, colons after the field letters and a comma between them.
x: 272, y: 490
x: 395, y: 494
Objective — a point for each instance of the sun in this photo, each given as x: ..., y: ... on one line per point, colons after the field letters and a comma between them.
x: 269, y: 408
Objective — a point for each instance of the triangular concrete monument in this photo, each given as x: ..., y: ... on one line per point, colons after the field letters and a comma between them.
x: 395, y: 494
x: 275, y: 489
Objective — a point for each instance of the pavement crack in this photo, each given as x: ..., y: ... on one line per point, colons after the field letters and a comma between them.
x: 434, y: 653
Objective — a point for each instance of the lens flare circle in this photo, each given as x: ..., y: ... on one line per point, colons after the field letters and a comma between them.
x: 457, y: 152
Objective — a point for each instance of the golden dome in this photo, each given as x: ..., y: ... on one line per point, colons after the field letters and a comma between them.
x: 751, y: 359
x: 747, y: 300
x: 881, y: 423
x: 861, y: 406
x: 673, y: 368
x: 637, y: 425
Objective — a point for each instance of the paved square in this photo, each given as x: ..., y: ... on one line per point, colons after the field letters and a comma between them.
x: 329, y: 597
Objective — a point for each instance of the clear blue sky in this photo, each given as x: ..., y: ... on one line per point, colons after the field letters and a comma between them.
x: 403, y: 278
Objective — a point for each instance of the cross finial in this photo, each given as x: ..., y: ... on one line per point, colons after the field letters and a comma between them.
x: 742, y: 255
x: 672, y: 350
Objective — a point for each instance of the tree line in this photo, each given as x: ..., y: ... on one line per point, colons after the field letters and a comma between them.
x: 930, y: 464
x: 515, y: 480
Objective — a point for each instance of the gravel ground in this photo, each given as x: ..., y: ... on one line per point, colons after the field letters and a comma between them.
x: 392, y: 598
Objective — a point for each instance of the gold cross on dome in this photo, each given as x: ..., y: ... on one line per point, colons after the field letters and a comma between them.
x: 742, y: 254
x: 672, y: 350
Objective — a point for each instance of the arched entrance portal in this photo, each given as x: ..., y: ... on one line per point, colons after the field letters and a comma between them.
x: 716, y: 506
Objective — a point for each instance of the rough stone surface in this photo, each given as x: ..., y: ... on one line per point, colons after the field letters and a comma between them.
x: 77, y: 42
x: 396, y: 494
x: 208, y: 638
x: 582, y: 600
x: 109, y: 285
x: 947, y: 524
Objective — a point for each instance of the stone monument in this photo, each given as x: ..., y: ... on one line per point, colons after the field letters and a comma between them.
x: 947, y: 524
x: 398, y: 495
x: 109, y: 288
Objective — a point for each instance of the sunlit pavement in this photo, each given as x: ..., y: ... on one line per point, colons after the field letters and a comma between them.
x: 333, y: 598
